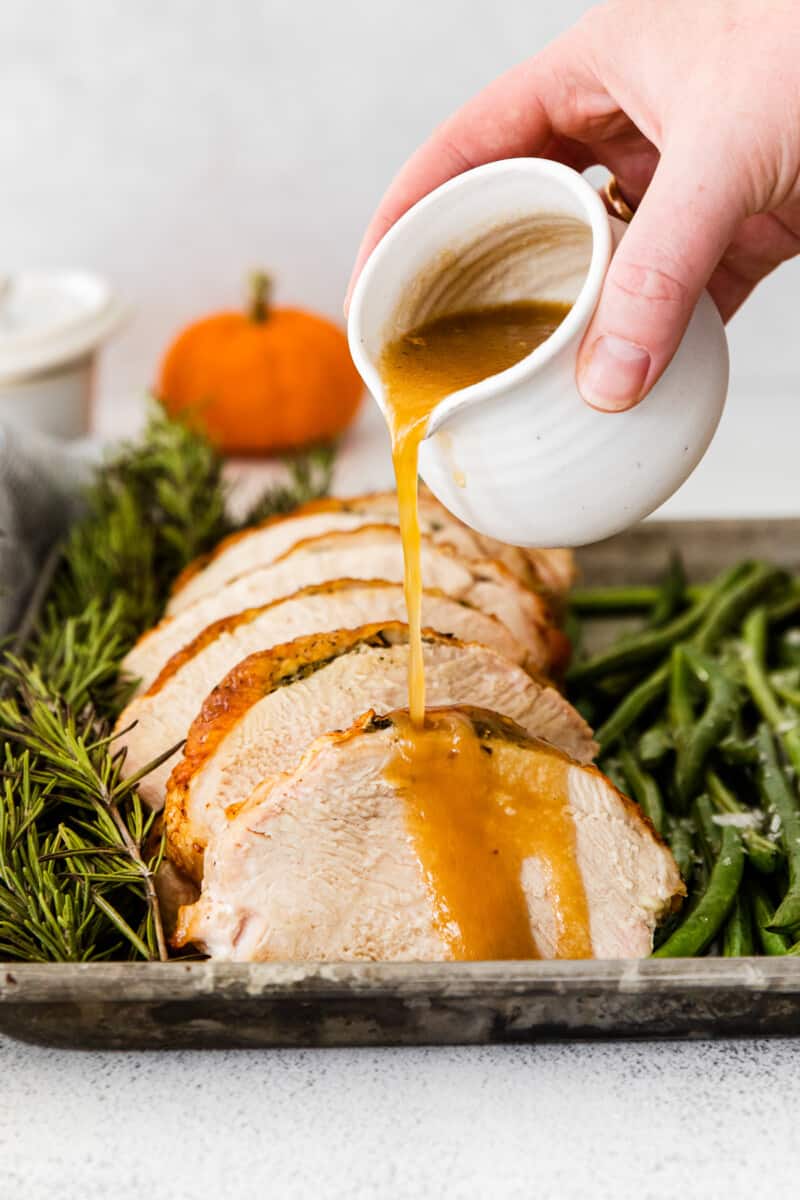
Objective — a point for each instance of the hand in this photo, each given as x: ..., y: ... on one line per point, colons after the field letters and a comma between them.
x: 695, y: 107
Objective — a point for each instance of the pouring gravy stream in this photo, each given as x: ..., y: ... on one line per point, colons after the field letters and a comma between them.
x: 473, y: 828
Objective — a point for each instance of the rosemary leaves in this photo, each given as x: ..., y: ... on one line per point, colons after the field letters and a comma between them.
x: 78, y: 850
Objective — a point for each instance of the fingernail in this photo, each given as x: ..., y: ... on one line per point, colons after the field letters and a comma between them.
x: 614, y: 374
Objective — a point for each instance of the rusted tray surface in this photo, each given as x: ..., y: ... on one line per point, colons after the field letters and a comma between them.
x: 174, y: 1005
x: 141, y: 1005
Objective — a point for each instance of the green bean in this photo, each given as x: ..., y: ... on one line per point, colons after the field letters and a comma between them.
x: 702, y: 924
x: 612, y: 601
x: 697, y: 742
x: 754, y: 632
x: 754, y: 653
x: 615, y: 601
x: 632, y: 707
x: 772, y: 943
x: 654, y: 745
x: 786, y: 684
x: 698, y: 882
x: 651, y: 687
x: 745, y: 585
x: 611, y: 687
x: 680, y: 709
x: 671, y: 593
x: 708, y: 833
x: 737, y: 750
x: 680, y: 706
x: 696, y: 701
x: 737, y: 936
x: 680, y: 841
x: 781, y: 800
x: 761, y: 851
x: 719, y: 606
x: 645, y: 789
x: 789, y: 648
x: 639, y: 648
x: 784, y: 610
x: 790, y: 676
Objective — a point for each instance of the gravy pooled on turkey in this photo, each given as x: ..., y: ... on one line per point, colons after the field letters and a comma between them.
x: 340, y: 859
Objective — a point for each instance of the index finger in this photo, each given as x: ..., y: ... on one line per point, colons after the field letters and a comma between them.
x: 515, y: 115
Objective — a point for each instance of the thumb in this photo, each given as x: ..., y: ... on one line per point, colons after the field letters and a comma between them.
x: 669, y: 251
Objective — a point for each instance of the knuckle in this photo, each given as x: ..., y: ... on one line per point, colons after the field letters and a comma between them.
x: 650, y: 283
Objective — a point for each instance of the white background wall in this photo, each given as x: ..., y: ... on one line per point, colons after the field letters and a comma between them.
x: 175, y: 144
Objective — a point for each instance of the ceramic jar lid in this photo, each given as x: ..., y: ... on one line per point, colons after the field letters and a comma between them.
x: 48, y: 319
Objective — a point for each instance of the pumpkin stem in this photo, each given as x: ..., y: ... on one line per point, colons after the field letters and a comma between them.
x: 260, y: 291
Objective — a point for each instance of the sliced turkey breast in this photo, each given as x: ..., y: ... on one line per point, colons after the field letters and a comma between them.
x: 243, y: 552
x: 372, y: 552
x: 161, y: 717
x: 263, y: 715
x: 329, y: 862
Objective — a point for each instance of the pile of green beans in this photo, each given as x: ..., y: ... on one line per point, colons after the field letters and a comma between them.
x: 697, y: 716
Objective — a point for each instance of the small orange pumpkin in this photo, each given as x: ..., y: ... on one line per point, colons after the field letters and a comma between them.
x: 268, y: 380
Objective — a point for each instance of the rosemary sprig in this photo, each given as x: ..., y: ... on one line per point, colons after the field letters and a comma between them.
x: 152, y: 509
x: 78, y: 851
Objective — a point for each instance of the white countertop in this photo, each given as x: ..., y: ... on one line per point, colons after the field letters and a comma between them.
x: 649, y: 1120
x: 567, y: 1122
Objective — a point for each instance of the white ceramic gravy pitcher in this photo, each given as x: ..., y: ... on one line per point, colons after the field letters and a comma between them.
x: 520, y: 456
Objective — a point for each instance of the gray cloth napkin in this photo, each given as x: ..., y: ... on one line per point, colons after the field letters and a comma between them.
x: 41, y: 481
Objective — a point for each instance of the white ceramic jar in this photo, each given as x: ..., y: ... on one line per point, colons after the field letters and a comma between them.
x: 520, y: 456
x: 51, y: 328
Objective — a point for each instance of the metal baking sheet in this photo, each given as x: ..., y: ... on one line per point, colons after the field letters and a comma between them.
x: 203, y: 1004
